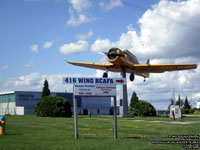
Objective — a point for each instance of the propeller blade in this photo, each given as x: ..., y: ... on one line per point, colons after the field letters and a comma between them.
x: 102, y: 53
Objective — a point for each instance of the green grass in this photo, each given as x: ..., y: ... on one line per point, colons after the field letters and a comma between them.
x: 96, y: 133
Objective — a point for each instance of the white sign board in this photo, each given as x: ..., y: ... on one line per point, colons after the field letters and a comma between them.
x: 94, y: 90
x: 94, y: 81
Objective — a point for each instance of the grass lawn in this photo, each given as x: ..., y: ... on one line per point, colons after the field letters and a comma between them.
x: 96, y: 133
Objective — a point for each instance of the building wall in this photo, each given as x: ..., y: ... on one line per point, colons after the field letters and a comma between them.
x: 18, y: 102
x: 4, y: 98
x: 27, y: 99
x: 96, y: 105
x: 96, y: 102
x: 198, y: 104
x: 23, y: 102
x: 8, y: 108
x: 69, y: 96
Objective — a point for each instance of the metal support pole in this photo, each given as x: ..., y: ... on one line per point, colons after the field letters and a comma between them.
x: 75, y: 117
x: 115, y: 118
x: 123, y: 97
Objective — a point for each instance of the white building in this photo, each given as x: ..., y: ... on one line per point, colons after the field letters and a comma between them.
x: 198, y: 104
x: 175, y: 111
x: 23, y: 102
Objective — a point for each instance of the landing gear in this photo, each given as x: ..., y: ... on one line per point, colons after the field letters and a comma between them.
x: 132, y: 76
x: 144, y: 79
x: 105, y: 74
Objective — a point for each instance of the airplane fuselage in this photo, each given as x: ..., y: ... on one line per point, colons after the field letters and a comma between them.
x: 125, y: 60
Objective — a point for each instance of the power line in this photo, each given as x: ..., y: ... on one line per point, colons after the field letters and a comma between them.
x: 131, y: 5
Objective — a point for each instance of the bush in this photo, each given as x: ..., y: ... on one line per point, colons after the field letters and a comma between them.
x: 143, y: 108
x: 193, y: 110
x: 53, y: 106
x: 132, y: 111
x: 185, y: 111
x: 197, y: 112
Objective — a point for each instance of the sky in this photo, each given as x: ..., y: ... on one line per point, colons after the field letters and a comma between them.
x: 38, y: 36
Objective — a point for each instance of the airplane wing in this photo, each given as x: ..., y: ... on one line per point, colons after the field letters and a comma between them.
x: 138, y: 68
x: 159, y: 68
x: 92, y: 65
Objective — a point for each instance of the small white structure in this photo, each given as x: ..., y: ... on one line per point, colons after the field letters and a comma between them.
x: 198, y: 104
x: 175, y: 112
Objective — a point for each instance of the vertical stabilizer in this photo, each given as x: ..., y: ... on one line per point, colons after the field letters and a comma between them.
x: 148, y: 61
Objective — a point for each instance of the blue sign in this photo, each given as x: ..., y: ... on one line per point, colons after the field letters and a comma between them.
x: 88, y: 80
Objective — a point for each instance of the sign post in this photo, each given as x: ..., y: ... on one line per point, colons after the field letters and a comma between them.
x: 115, y: 118
x: 75, y: 117
x: 104, y: 87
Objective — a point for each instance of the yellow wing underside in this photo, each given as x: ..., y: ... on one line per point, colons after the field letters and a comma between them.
x: 138, y: 68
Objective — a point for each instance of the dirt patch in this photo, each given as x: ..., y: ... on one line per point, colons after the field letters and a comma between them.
x: 170, y: 122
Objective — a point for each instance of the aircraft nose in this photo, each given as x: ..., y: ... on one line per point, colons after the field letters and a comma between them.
x: 112, y: 53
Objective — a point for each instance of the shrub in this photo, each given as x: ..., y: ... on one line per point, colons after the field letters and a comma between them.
x: 53, y: 106
x: 197, y: 112
x: 185, y: 111
x: 193, y: 110
x: 132, y: 111
x: 143, y: 108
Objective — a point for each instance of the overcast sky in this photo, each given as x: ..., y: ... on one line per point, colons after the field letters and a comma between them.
x: 37, y: 36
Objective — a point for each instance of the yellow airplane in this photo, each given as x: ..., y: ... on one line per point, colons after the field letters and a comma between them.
x: 126, y: 61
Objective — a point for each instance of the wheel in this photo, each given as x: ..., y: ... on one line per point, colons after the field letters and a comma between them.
x: 132, y: 76
x: 105, y: 75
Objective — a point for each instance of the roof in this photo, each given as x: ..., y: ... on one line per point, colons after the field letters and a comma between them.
x: 7, y: 92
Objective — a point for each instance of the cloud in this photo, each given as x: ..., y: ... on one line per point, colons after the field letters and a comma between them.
x: 168, y: 30
x: 78, y: 47
x: 56, y: 1
x: 85, y: 36
x: 34, y: 0
x: 80, y: 5
x: 78, y: 12
x: 130, y: 27
x: 101, y: 45
x: 5, y: 67
x: 34, y: 48
x: 168, y: 34
x: 77, y: 19
x: 112, y: 4
x: 35, y: 81
x: 29, y: 66
x: 47, y: 44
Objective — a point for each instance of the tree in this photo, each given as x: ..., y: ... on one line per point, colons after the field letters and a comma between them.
x: 186, y: 104
x: 144, y: 108
x: 179, y: 101
x: 53, y: 106
x: 171, y: 103
x: 134, y: 100
x: 45, y: 91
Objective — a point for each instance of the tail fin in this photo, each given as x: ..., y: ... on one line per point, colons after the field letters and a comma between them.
x: 148, y: 61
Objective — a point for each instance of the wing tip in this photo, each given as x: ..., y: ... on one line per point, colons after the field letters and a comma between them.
x: 69, y: 62
x: 195, y: 66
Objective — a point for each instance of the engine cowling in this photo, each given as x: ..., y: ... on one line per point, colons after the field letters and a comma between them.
x: 115, y: 56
